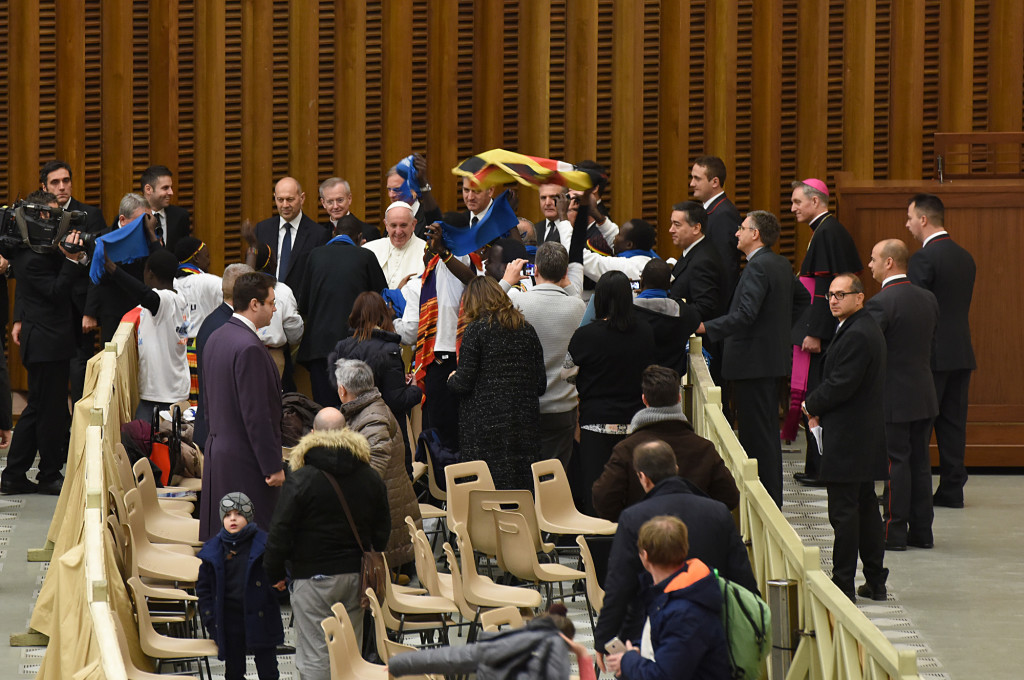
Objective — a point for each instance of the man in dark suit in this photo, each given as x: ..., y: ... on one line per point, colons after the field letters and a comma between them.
x: 336, y: 198
x: 44, y: 332
x: 291, y: 235
x: 698, y: 276
x: 848, y: 404
x: 336, y: 274
x: 554, y: 204
x: 713, y: 540
x: 707, y: 179
x: 756, y: 334
x: 424, y: 207
x: 830, y: 252
x: 173, y: 222
x: 55, y: 177
x: 908, y: 316
x: 947, y: 270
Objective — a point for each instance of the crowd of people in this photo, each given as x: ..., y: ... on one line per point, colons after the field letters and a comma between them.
x: 561, y: 339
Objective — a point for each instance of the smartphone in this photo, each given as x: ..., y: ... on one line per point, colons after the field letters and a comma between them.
x: 614, y: 646
x: 635, y: 285
x: 529, y: 269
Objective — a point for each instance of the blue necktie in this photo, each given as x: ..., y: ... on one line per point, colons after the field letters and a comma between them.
x: 286, y: 251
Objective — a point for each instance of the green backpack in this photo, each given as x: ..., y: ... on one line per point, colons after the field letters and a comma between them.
x: 748, y: 629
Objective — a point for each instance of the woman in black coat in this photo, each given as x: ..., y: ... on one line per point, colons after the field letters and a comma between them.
x: 499, y: 379
x: 611, y: 354
x: 374, y: 341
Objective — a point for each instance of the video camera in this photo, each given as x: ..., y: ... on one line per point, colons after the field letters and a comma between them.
x: 41, y: 228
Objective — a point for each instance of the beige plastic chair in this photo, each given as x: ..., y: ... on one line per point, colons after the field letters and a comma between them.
x: 126, y: 476
x: 161, y: 525
x: 460, y: 479
x: 131, y: 671
x: 517, y: 556
x: 163, y: 647
x: 556, y: 513
x: 344, y: 652
x: 433, y: 607
x: 483, y: 503
x: 435, y: 582
x: 160, y: 562
x: 595, y: 593
x: 492, y: 621
x: 386, y: 647
x: 481, y: 592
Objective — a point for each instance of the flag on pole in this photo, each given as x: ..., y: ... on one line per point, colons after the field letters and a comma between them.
x: 499, y: 166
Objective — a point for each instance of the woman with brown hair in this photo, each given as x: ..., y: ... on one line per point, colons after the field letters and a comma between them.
x: 499, y: 378
x: 374, y: 341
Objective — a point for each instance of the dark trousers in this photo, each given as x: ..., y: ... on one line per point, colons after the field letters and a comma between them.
x: 813, y: 456
x: 86, y: 343
x: 757, y: 407
x: 951, y: 432
x: 324, y: 393
x: 595, y: 450
x: 44, y: 424
x: 233, y: 629
x: 440, y: 406
x: 908, y: 501
x: 557, y: 431
x: 853, y: 514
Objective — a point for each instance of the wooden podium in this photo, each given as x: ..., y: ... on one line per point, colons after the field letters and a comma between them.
x: 987, y: 218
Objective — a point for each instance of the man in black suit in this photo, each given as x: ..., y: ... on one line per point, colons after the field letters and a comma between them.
x: 713, y: 540
x: 830, y: 252
x: 848, y: 404
x: 424, y: 207
x: 554, y: 204
x: 707, y: 179
x: 55, y: 177
x: 756, y: 332
x: 172, y: 222
x: 698, y: 276
x: 291, y: 235
x: 336, y: 198
x: 336, y: 274
x: 477, y: 201
x: 908, y: 316
x: 948, y: 271
x: 44, y: 332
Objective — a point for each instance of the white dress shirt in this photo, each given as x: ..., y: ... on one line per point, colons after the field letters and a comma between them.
x: 286, y: 325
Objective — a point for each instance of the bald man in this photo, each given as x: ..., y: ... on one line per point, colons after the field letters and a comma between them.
x: 291, y: 235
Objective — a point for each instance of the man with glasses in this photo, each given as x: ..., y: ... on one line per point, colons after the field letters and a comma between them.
x: 756, y: 334
x: 848, y: 404
x: 336, y: 198
x: 424, y: 207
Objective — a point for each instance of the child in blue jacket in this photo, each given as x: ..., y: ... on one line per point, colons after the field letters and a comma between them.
x: 239, y: 607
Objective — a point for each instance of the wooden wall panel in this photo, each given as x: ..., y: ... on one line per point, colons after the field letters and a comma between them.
x: 674, y: 118
x: 442, y: 99
x: 907, y: 89
x: 210, y: 123
x: 627, y: 110
x: 257, y: 109
x: 581, y: 80
x: 70, y: 90
x: 858, y: 88
x: 766, y: 90
x: 720, y: 92
x: 349, y: 138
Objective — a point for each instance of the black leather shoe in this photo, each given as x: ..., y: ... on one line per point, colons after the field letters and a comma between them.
x: 51, y: 488
x: 807, y: 480
x: 876, y: 593
x: 944, y: 502
x: 895, y: 546
x: 926, y: 545
x: 16, y: 486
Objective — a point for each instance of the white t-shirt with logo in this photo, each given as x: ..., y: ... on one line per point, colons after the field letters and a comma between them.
x: 203, y: 293
x: 163, y: 366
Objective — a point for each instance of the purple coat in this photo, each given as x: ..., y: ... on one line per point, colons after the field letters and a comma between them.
x: 243, y: 406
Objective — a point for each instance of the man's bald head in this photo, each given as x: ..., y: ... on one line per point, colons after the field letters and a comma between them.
x: 328, y: 418
x: 897, y: 250
x: 289, y: 197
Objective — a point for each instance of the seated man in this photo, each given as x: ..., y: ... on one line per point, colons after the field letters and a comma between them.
x: 366, y: 414
x: 713, y: 539
x: 684, y: 629
x: 663, y: 420
x: 310, y: 531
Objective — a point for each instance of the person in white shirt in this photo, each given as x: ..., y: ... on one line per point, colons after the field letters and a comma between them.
x: 633, y: 247
x: 163, y: 332
x: 400, y: 254
x: 201, y: 289
x: 286, y: 326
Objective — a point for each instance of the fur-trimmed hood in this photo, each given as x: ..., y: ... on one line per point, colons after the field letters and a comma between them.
x: 342, y: 442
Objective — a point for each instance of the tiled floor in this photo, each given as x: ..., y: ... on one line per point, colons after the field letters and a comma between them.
x: 959, y: 606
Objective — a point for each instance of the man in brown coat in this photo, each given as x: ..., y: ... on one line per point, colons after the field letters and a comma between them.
x: 662, y: 420
x: 366, y: 414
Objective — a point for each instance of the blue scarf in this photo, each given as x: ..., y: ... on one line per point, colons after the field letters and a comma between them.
x: 233, y: 540
x: 652, y: 293
x: 127, y: 244
x: 531, y: 251
x: 636, y: 251
x: 499, y: 219
x: 341, y: 239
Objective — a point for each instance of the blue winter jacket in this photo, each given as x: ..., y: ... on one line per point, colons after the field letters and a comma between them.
x: 262, y: 612
x: 685, y: 613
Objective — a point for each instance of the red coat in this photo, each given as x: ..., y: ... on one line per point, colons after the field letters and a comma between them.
x: 242, y: 398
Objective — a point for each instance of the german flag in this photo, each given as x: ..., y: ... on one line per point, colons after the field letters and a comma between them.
x: 498, y: 166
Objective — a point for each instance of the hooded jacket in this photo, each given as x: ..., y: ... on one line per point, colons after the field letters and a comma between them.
x: 673, y: 322
x: 310, y: 527
x: 684, y: 624
x: 535, y: 652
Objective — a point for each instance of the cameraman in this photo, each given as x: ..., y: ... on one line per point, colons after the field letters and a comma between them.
x: 43, y: 329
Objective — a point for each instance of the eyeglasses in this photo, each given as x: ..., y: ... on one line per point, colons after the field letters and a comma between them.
x: 333, y: 201
x: 840, y: 294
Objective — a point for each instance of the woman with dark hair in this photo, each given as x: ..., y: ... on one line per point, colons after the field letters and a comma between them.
x: 499, y: 379
x: 374, y: 341
x: 610, y: 356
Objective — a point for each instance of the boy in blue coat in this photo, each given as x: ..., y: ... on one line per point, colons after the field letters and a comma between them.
x: 239, y: 606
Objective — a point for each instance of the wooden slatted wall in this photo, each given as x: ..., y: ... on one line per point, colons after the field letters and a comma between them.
x: 779, y: 88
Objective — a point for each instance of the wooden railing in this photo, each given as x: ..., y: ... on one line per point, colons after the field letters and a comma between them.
x: 979, y: 155
x: 837, y: 640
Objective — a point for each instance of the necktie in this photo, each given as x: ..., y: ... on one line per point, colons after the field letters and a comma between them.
x: 286, y: 251
x: 160, y: 227
x: 473, y: 221
x: 552, y: 234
